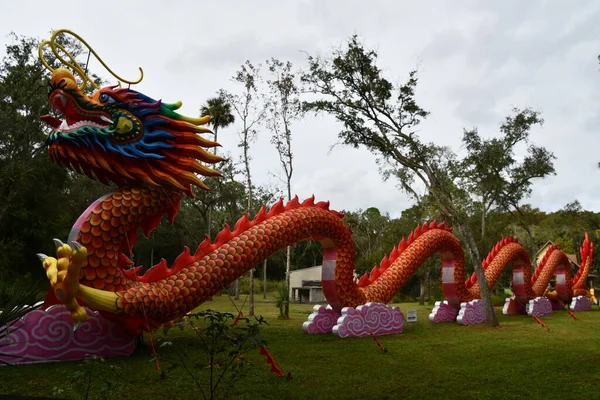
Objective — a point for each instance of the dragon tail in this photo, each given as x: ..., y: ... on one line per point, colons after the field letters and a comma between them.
x: 586, y: 253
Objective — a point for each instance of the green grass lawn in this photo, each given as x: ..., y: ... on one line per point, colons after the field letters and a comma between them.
x: 519, y: 360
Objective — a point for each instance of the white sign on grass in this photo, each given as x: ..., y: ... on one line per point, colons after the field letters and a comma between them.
x: 411, y: 316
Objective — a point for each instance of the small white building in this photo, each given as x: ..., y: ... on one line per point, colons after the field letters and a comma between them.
x: 305, y: 285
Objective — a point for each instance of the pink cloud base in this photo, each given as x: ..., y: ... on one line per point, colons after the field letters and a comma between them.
x: 376, y: 318
x: 539, y: 307
x: 322, y: 320
x: 443, y: 312
x: 581, y: 303
x: 50, y: 335
x: 471, y: 313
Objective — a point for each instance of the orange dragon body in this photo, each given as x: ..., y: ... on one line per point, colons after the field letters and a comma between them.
x: 154, y: 155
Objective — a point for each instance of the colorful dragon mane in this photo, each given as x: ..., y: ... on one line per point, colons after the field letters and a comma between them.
x: 126, y: 137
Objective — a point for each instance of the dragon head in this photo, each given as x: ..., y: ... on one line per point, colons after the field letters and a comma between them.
x: 123, y: 136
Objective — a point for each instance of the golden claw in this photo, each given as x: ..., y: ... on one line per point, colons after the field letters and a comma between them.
x: 63, y: 274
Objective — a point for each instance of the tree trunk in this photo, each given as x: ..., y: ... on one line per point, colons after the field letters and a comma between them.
x: 265, y: 279
x: 490, y: 313
x: 286, y: 309
x: 423, y: 285
x: 248, y: 208
x: 483, y: 218
x: 236, y: 289
x: 209, y: 222
x: 530, y: 236
x: 251, y: 305
x: 288, y: 261
x: 447, y: 207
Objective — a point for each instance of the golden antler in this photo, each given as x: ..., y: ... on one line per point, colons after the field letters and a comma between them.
x: 74, y: 64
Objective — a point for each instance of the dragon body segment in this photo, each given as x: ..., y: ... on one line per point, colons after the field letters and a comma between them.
x: 155, y: 155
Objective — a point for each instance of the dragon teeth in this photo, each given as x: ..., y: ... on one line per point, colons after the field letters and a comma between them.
x: 84, y: 123
x: 62, y: 99
x: 66, y: 127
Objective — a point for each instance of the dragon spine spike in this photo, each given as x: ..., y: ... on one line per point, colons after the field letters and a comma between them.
x: 173, y: 210
x: 242, y: 224
x: 277, y: 208
x: 223, y: 236
x: 394, y: 252
x: 384, y: 264
x: 543, y: 262
x: 294, y: 203
x: 261, y: 215
x: 375, y: 273
x: 309, y: 202
x: 388, y: 259
x: 402, y: 246
x: 203, y: 248
x: 586, y: 253
x: 364, y: 280
x: 132, y: 273
x: 585, y: 247
x: 417, y: 231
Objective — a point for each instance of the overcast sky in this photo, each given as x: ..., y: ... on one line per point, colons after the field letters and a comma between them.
x: 476, y: 59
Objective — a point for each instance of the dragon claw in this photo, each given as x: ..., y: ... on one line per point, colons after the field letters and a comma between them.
x: 63, y: 274
x: 41, y: 256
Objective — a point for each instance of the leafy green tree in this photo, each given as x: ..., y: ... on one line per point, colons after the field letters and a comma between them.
x: 36, y: 194
x: 369, y: 229
x: 283, y: 108
x: 491, y: 172
x: 250, y: 109
x: 383, y: 118
x: 565, y: 227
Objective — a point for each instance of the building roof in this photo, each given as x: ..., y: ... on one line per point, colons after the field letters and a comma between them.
x: 543, y: 248
x: 572, y: 257
x: 306, y: 269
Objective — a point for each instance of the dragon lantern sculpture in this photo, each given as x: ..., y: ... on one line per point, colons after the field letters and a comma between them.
x: 155, y: 156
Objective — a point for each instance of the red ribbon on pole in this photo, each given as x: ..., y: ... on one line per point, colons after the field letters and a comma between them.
x: 378, y: 342
x: 270, y: 360
x: 237, y: 319
x: 541, y: 323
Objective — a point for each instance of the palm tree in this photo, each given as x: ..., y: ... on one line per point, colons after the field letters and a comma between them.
x: 220, y: 114
x: 219, y: 110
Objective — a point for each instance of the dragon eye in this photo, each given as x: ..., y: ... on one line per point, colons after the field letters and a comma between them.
x: 106, y: 99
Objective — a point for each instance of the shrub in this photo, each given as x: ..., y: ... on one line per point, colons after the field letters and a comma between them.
x: 258, y: 285
x: 282, y: 297
x: 498, y: 299
x: 225, y: 340
x: 403, y: 298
